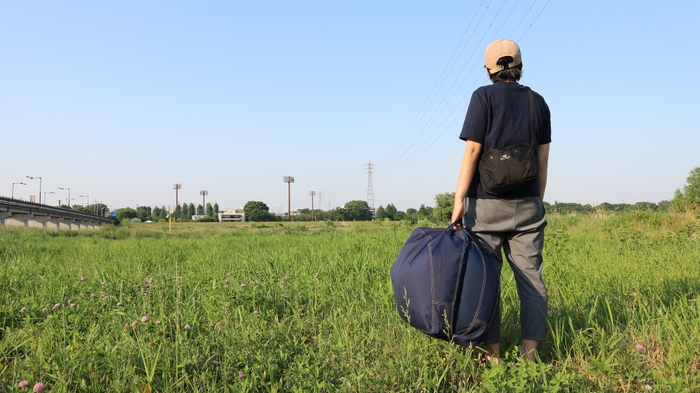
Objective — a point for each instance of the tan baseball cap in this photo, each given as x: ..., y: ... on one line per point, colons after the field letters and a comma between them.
x: 507, y: 50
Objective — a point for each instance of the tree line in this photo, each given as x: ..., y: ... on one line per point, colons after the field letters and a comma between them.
x: 687, y: 198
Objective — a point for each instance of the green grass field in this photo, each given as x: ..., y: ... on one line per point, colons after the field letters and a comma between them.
x: 309, y: 307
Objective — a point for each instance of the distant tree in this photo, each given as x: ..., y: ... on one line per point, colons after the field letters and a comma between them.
x: 256, y: 211
x: 391, y: 211
x: 357, y: 211
x: 178, y: 212
x: 79, y: 208
x: 424, y: 212
x: 444, y: 206
x: 338, y: 214
x: 155, y: 214
x: 645, y: 206
x: 690, y: 194
x: 143, y: 213
x: 191, y: 211
x: 411, y: 211
x: 216, y: 211
x: 209, y: 210
x: 399, y: 216
x: 380, y: 213
x: 200, y: 210
x: 126, y: 213
x: 163, y: 214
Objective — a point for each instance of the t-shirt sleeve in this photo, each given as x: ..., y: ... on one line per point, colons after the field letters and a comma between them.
x: 477, y: 119
x: 546, y: 136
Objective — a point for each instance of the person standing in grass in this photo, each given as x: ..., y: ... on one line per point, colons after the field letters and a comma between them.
x: 512, y: 223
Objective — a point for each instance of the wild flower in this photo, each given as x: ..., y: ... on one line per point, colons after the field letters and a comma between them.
x: 157, y: 322
x: 55, y: 306
x: 23, y: 384
x: 119, y: 304
x: 241, y: 375
x: 649, y: 387
x: 38, y: 387
x: 43, y: 309
x: 126, y: 326
x: 255, y: 287
x: 243, y: 285
x: 92, y: 295
x: 82, y: 279
x: 23, y: 309
x: 72, y: 304
x: 144, y: 319
x: 187, y: 327
x: 256, y: 312
x: 639, y: 347
x: 103, y: 284
x: 134, y: 324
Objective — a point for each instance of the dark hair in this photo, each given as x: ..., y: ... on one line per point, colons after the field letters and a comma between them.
x: 511, y: 74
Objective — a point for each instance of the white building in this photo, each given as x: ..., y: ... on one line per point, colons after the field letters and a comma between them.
x: 232, y: 215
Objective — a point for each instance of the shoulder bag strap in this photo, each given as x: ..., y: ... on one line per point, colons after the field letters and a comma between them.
x: 532, y: 117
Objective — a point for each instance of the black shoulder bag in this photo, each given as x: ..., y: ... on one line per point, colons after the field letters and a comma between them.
x: 512, y: 167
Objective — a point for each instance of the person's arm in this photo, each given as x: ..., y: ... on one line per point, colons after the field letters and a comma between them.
x: 466, y: 173
x: 542, y: 162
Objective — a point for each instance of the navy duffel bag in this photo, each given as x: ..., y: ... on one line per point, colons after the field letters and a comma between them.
x: 445, y: 285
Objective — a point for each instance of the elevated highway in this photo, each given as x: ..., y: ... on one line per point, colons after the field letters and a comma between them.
x: 15, y: 212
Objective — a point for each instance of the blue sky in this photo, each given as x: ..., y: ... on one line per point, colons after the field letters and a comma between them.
x: 119, y: 101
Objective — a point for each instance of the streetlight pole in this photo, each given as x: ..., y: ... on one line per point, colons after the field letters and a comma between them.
x: 88, y: 200
x: 289, y: 180
x: 13, y: 188
x: 96, y: 202
x: 177, y: 187
x: 37, y: 177
x: 47, y: 192
x: 204, y: 194
x: 66, y: 188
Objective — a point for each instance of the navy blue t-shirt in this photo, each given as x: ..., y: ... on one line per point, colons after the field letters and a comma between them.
x: 499, y: 116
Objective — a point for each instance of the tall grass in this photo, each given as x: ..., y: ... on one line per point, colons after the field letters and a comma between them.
x: 309, y: 307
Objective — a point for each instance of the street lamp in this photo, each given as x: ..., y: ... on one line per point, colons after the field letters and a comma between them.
x: 96, y: 202
x: 88, y: 200
x: 37, y: 177
x: 289, y: 180
x: 47, y: 192
x: 13, y: 188
x: 66, y: 188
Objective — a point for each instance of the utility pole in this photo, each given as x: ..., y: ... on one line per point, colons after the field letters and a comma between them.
x: 177, y: 188
x: 312, y: 193
x: 320, y: 205
x: 289, y: 180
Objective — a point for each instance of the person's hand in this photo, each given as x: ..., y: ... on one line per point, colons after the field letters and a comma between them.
x: 458, y: 213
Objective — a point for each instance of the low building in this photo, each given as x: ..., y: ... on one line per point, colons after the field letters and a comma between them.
x: 232, y: 215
